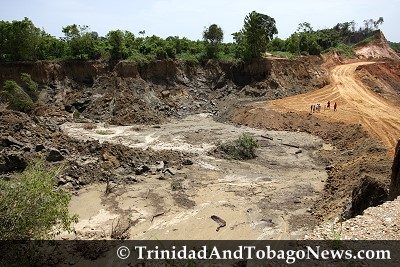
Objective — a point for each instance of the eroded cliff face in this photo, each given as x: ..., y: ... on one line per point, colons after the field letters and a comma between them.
x: 126, y: 92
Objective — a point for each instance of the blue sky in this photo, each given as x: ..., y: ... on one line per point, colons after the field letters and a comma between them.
x: 188, y: 18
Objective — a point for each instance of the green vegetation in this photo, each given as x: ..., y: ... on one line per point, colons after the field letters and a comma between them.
x: 76, y: 115
x: 23, y: 41
x: 253, y: 38
x: 20, y: 98
x: 213, y: 37
x: 341, y: 37
x: 395, y: 46
x: 31, y: 205
x: 337, y: 235
x: 104, y: 132
x: 242, y: 148
x: 344, y: 50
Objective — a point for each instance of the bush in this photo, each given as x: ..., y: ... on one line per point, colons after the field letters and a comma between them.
x: 30, y: 87
x: 17, y: 98
x: 344, y: 50
x: 242, y: 148
x: 76, y: 115
x: 31, y: 207
x: 140, y: 58
x: 190, y: 59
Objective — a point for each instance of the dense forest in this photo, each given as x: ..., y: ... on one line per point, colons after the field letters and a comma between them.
x: 23, y: 41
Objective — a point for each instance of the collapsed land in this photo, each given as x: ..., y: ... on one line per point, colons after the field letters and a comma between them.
x: 138, y: 143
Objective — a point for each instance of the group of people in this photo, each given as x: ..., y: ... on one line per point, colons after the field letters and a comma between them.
x: 317, y: 107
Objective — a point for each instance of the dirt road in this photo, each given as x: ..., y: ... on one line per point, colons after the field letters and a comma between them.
x: 356, y: 104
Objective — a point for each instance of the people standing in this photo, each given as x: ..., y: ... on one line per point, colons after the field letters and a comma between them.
x: 335, y: 107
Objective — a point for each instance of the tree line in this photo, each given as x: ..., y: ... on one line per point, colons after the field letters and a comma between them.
x: 23, y: 41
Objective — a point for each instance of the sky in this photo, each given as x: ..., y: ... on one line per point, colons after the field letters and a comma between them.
x: 189, y: 18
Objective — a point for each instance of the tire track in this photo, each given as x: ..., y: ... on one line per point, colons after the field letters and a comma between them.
x: 357, y: 104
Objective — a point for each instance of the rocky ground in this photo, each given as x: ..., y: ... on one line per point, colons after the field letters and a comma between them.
x: 376, y: 223
x: 269, y: 197
x: 136, y: 154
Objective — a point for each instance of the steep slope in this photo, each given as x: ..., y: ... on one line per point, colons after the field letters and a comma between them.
x: 376, y: 48
x: 125, y: 92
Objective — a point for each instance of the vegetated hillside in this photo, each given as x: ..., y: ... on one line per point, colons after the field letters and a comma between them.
x: 124, y: 92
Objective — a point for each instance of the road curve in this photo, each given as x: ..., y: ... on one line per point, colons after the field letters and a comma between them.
x: 356, y: 103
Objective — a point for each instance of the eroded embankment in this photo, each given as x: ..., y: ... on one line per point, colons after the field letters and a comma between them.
x: 354, y: 155
x: 124, y: 93
x: 269, y: 197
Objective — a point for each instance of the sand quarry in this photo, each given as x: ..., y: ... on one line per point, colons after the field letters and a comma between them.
x: 269, y: 197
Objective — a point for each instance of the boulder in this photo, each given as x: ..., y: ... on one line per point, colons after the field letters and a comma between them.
x: 187, y: 162
x: 39, y: 147
x: 11, y: 141
x: 54, y: 155
x: 369, y: 193
x: 141, y: 169
x: 13, y: 161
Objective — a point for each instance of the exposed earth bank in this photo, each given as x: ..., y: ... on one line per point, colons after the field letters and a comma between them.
x: 136, y: 143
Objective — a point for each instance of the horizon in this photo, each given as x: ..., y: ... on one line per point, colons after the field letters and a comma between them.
x: 165, y: 18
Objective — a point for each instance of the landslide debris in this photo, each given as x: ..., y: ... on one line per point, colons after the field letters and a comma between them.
x: 82, y: 162
x: 126, y: 92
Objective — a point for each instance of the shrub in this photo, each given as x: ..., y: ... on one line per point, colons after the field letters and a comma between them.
x: 31, y: 87
x: 140, y: 58
x: 242, y: 148
x: 344, y: 50
x: 190, y: 59
x: 31, y: 207
x: 76, y: 115
x: 17, y: 98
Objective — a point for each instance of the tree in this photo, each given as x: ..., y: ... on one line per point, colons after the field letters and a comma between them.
x: 19, y: 40
x: 378, y: 22
x: 117, y: 42
x: 81, y: 42
x: 257, y: 31
x: 305, y: 27
x: 213, y: 37
x: 31, y: 206
x: 50, y: 47
x: 277, y: 44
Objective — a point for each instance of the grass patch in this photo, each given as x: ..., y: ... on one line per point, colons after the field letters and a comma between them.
x: 241, y: 149
x: 364, y: 41
x: 140, y: 58
x: 342, y: 49
x: 229, y: 58
x: 104, y: 132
